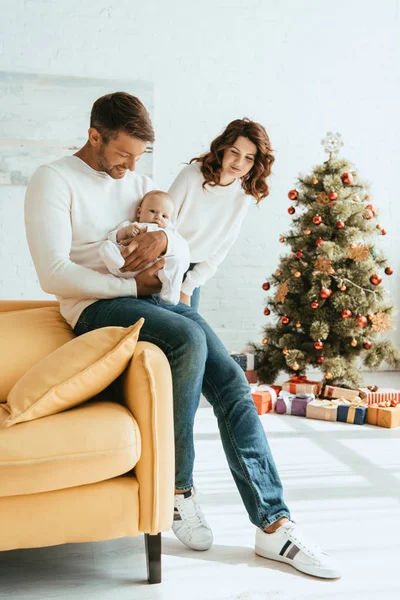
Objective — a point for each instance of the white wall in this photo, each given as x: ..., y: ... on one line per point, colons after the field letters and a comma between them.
x: 300, y: 67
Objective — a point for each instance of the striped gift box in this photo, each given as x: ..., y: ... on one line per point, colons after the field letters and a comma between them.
x: 381, y: 395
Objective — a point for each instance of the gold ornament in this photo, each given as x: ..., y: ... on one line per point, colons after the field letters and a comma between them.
x: 307, y: 231
x: 343, y: 288
x: 285, y: 351
x: 265, y: 341
x: 381, y: 322
x: 297, y: 274
x: 356, y: 198
x: 282, y: 292
x: 315, y: 181
x: 358, y: 252
x: 278, y: 273
x: 324, y: 265
x: 295, y: 367
x: 379, y: 226
x: 298, y: 324
x: 353, y: 343
x: 282, y: 239
x: 323, y: 198
x: 328, y: 375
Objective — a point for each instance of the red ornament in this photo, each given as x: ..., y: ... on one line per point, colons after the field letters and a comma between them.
x: 389, y: 271
x: 318, y: 345
x: 375, y: 279
x: 325, y: 293
x: 332, y: 196
x: 394, y: 402
x: 340, y: 225
x: 285, y: 320
x: 371, y: 208
x: 317, y: 220
x: 383, y: 231
x: 314, y: 305
x: 368, y: 214
x: 367, y: 345
x: 267, y: 312
x: 319, y: 242
x: 346, y: 313
x: 291, y: 210
x: 299, y: 254
x: 266, y: 286
x: 362, y: 321
x: 347, y: 178
x: 320, y: 359
x: 293, y: 195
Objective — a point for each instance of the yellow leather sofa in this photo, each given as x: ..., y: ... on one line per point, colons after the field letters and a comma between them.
x: 101, y: 470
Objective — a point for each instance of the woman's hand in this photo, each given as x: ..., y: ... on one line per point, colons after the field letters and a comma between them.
x: 185, y: 299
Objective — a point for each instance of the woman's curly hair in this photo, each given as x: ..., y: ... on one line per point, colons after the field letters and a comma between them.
x: 254, y: 183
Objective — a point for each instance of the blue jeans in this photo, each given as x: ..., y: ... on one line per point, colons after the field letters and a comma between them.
x: 200, y: 363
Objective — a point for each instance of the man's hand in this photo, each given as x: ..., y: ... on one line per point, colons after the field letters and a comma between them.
x: 185, y: 299
x: 143, y: 249
x: 147, y: 282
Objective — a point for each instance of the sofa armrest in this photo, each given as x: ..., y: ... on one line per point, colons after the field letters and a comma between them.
x: 147, y: 393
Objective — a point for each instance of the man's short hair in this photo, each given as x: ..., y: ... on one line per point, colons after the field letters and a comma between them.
x: 120, y: 111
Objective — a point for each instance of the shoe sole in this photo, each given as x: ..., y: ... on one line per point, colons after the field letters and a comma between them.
x: 308, y: 569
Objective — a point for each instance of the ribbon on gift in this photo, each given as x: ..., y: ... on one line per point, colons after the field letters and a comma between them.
x: 351, y: 414
x: 287, y: 398
x: 267, y: 388
x: 299, y: 378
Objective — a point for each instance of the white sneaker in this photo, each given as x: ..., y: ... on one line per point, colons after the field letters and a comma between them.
x: 190, y: 525
x: 288, y: 545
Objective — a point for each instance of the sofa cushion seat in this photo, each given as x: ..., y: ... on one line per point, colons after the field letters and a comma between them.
x: 94, y: 442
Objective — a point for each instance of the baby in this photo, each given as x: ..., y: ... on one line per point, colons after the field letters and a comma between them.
x: 154, y: 213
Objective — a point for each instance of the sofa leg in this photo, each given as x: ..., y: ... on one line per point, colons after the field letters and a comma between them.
x: 153, y: 557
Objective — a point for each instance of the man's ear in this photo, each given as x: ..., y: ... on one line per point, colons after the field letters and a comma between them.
x: 95, y: 137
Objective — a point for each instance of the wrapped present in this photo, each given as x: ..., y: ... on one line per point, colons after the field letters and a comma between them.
x: 251, y: 376
x: 300, y: 383
x: 383, y: 415
x: 356, y: 412
x: 374, y: 394
x: 331, y: 391
x: 284, y: 403
x: 324, y: 410
x: 247, y: 361
x: 299, y: 403
x: 264, y: 398
x: 272, y: 390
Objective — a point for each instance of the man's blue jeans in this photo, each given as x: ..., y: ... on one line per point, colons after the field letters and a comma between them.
x: 200, y: 363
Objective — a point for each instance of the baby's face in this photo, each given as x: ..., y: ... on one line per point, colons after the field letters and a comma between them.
x: 157, y: 208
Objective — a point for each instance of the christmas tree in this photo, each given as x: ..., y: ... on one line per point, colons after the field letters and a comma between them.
x: 329, y: 300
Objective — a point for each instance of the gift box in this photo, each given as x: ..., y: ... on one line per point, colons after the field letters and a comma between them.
x: 299, y: 404
x: 383, y: 416
x: 300, y: 383
x: 264, y: 398
x: 374, y: 395
x: 284, y: 403
x: 331, y: 391
x: 247, y: 361
x: 355, y: 413
x: 324, y: 410
x: 251, y: 376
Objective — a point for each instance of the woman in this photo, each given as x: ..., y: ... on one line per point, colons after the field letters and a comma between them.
x: 212, y: 195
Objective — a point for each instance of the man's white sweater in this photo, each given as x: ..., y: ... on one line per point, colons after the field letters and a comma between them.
x: 69, y: 210
x: 209, y: 219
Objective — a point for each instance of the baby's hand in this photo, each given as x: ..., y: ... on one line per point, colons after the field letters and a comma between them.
x: 128, y: 232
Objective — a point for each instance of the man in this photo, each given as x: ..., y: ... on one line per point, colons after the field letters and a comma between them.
x: 71, y: 205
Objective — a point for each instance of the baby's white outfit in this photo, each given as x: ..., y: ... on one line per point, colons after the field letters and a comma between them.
x: 171, y: 275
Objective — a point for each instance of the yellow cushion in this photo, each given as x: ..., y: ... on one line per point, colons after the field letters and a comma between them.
x: 26, y: 336
x: 92, y: 442
x: 72, y: 374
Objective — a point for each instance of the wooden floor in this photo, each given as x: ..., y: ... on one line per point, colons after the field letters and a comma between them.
x: 342, y: 483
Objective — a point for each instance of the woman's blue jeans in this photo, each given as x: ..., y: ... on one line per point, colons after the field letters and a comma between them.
x: 199, y: 364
